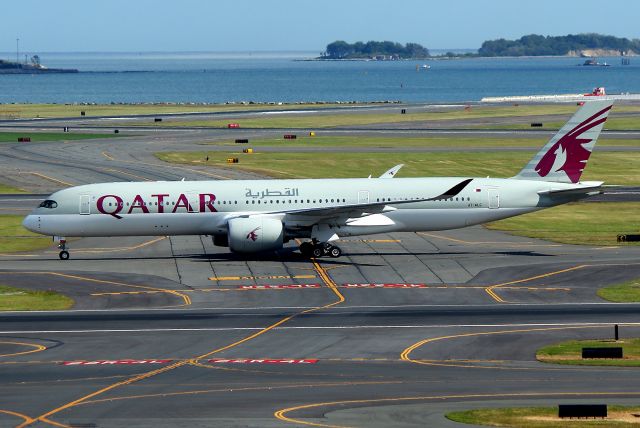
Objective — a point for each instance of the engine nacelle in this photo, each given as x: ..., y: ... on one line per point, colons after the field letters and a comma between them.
x: 255, y: 234
x: 221, y: 240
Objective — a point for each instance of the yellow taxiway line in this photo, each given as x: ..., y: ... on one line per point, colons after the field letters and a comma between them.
x: 490, y: 290
x: 107, y: 155
x: 38, y: 348
x: 405, y: 355
x: 55, y: 180
x: 282, y: 414
x: 186, y: 299
x: 328, y: 281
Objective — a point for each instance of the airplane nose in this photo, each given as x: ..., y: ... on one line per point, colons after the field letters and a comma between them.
x: 31, y: 223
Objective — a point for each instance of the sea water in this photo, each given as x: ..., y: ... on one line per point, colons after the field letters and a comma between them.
x: 286, y: 77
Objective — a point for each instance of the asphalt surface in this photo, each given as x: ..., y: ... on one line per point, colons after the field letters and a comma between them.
x: 400, y: 330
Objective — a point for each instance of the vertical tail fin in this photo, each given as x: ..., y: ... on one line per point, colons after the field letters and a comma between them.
x: 565, y: 156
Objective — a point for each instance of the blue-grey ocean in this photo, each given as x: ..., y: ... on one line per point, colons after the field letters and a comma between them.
x: 283, y: 77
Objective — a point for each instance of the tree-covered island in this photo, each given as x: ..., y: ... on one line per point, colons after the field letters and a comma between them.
x: 590, y: 44
x: 374, y: 50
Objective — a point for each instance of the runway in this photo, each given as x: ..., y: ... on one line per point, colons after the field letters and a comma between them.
x: 172, y: 331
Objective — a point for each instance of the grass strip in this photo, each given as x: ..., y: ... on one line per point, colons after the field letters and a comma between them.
x: 17, y: 299
x: 15, y: 238
x: 331, y: 141
x: 9, y: 189
x: 543, y: 417
x: 625, y: 292
x: 570, y: 353
x: 596, y: 223
x: 26, y: 111
x: 36, y: 137
x: 605, y: 166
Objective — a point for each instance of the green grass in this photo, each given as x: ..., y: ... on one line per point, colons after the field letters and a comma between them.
x: 543, y: 417
x: 9, y: 189
x: 613, y: 124
x: 355, y: 118
x: 571, y: 353
x: 366, y: 118
x: 595, y: 223
x: 16, y: 299
x: 12, y: 137
x: 15, y: 111
x: 14, y: 237
x: 605, y: 166
x: 628, y: 291
x: 330, y: 141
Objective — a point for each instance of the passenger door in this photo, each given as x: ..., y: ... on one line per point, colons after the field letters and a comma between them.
x: 85, y: 204
x: 494, y: 198
x: 363, y: 197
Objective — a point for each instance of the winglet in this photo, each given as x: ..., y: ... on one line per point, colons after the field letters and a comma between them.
x: 392, y: 172
x: 453, y: 191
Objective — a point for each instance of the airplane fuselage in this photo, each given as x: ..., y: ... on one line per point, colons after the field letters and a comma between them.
x: 202, y: 207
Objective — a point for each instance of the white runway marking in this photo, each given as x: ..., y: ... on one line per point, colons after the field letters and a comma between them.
x: 354, y: 327
x: 333, y: 310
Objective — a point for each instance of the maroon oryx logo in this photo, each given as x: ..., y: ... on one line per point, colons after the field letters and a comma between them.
x: 253, y: 235
x: 568, y: 153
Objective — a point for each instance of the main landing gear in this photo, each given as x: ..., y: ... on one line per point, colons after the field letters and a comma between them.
x: 319, y: 249
x: 64, y: 254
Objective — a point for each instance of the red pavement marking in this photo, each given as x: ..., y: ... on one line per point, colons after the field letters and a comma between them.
x: 267, y: 287
x: 113, y: 362
x: 385, y: 285
x: 261, y: 361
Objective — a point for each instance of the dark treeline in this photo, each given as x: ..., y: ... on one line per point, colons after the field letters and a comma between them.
x: 534, y: 44
x: 343, y: 50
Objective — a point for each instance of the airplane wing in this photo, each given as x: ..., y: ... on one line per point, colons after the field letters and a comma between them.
x: 322, y: 216
x: 392, y: 172
x: 357, y: 210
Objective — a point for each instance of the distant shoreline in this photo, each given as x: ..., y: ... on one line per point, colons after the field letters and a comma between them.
x: 461, y: 57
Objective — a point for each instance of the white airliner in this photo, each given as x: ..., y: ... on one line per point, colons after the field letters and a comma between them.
x: 252, y: 216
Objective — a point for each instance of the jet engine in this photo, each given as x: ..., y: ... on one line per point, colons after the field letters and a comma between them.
x: 255, y: 234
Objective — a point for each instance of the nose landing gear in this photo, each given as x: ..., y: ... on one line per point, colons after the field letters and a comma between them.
x: 62, y: 246
x: 319, y: 249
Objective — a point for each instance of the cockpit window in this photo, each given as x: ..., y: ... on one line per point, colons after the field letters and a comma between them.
x: 49, y: 204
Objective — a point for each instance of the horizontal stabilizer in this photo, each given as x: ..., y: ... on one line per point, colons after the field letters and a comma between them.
x: 589, y: 188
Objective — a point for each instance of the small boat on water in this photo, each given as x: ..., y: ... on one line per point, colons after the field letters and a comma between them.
x: 594, y: 63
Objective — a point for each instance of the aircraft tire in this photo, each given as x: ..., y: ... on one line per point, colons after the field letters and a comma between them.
x: 335, y: 252
x: 318, y: 251
x: 64, y: 255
